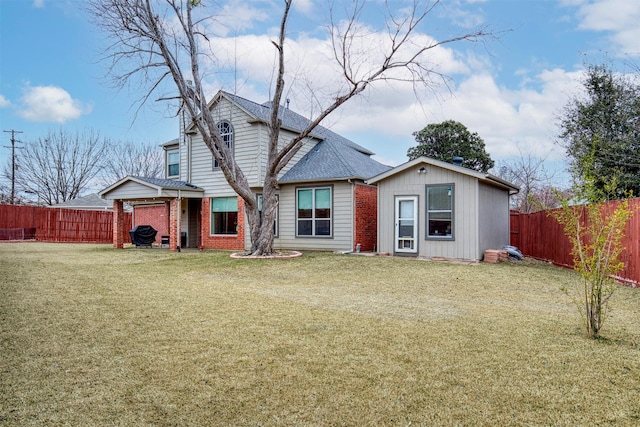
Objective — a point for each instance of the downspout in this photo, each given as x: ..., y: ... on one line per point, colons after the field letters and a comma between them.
x: 179, y: 221
x: 354, y: 219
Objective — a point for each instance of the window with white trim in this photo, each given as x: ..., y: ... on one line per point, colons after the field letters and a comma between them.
x: 314, y: 212
x: 226, y: 133
x: 224, y: 215
x: 440, y: 211
x: 173, y: 163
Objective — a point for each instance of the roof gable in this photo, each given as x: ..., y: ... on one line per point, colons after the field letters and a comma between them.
x: 136, y: 187
x: 333, y: 157
x: 428, y: 161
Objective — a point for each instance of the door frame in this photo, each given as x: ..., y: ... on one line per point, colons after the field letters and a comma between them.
x: 405, y: 244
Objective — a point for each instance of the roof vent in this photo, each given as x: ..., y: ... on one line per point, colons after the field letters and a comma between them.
x: 457, y: 161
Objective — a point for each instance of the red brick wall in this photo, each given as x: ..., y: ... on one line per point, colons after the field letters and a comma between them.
x: 156, y: 216
x: 365, y: 217
x: 228, y: 242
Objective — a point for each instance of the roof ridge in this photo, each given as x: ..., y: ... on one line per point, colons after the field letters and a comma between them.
x: 342, y: 160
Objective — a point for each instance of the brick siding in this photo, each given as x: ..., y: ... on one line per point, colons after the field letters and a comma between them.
x: 155, y: 216
x: 226, y: 242
x: 365, y: 217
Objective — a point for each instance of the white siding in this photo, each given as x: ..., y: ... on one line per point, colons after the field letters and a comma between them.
x: 411, y: 183
x: 133, y: 190
x: 246, y: 146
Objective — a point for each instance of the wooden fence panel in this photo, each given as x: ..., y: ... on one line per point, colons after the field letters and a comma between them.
x: 63, y: 225
x: 540, y: 236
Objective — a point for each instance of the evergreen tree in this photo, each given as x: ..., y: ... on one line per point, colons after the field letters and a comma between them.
x: 601, y: 131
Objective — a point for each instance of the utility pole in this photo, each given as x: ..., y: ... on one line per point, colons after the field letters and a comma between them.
x: 13, y: 162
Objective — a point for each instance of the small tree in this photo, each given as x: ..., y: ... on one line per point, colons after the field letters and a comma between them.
x: 449, y: 139
x: 528, y: 173
x: 595, y: 230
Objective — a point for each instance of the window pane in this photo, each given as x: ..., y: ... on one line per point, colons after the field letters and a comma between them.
x: 224, y: 223
x: 440, y: 228
x: 323, y: 227
x: 406, y: 228
x: 224, y: 204
x: 406, y: 208
x: 305, y: 227
x: 439, y: 197
x: 305, y: 200
x: 323, y: 198
x: 323, y: 213
x: 174, y: 170
x: 440, y: 215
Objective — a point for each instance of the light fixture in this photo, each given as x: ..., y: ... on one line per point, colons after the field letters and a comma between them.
x: 422, y: 170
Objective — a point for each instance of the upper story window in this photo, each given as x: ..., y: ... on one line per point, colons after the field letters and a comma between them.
x: 226, y: 132
x: 440, y: 211
x: 173, y: 163
x: 313, y: 213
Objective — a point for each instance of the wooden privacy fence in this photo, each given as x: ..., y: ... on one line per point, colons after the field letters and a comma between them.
x: 59, y: 225
x: 540, y: 236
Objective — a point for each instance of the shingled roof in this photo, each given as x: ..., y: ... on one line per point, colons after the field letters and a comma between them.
x: 333, y: 158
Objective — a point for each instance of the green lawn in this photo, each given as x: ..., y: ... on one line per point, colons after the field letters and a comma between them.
x: 90, y: 335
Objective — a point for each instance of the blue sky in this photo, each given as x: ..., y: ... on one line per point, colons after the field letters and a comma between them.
x: 509, y: 90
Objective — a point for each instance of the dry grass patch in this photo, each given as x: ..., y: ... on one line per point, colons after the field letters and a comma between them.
x: 94, y: 336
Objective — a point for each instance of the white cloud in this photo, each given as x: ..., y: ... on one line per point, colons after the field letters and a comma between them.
x: 50, y: 104
x: 510, y: 120
x: 618, y: 17
x: 4, y: 102
x: 38, y: 3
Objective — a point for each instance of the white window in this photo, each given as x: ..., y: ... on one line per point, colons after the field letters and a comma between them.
x: 226, y: 132
x: 314, y: 213
x: 224, y: 215
x: 173, y: 163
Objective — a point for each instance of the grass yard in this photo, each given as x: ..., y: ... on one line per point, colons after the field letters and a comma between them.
x: 95, y: 336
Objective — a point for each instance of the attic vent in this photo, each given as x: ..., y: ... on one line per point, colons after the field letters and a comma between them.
x: 457, y: 161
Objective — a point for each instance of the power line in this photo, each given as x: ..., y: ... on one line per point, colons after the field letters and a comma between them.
x: 13, y: 162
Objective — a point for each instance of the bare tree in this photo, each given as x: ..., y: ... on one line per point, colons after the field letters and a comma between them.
x: 156, y: 40
x: 60, y: 166
x: 128, y: 159
x: 528, y: 173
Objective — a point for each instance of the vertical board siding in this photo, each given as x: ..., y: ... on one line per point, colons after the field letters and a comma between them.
x: 493, y: 217
x: 539, y: 235
x: 63, y: 225
x: 411, y: 183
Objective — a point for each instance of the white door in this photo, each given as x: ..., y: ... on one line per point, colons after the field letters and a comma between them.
x: 406, y: 224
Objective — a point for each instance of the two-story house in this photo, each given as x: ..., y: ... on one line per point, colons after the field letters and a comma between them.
x: 323, y: 200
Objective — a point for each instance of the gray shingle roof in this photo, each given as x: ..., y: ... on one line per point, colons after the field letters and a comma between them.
x: 335, y: 157
x: 167, y: 183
